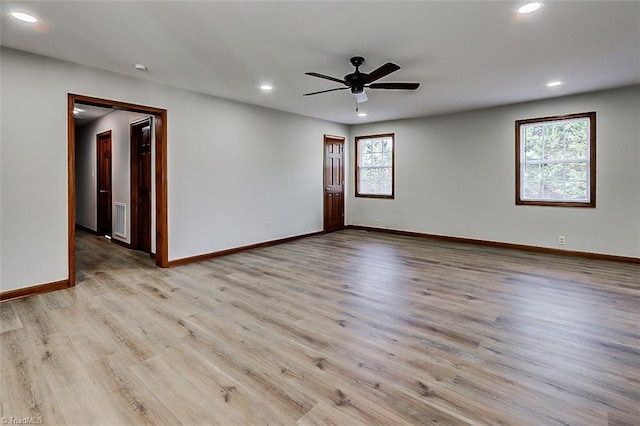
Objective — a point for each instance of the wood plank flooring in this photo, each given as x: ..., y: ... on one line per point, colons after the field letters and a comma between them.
x: 348, y: 328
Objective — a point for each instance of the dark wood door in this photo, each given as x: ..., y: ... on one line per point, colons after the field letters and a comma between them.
x: 333, y: 183
x: 141, y: 185
x: 103, y: 151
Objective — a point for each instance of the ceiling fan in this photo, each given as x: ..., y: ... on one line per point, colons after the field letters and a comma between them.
x: 358, y: 81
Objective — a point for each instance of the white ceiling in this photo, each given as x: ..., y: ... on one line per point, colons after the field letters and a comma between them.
x: 466, y: 55
x: 85, y: 114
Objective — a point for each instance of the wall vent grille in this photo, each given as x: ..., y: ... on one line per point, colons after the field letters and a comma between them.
x: 121, y: 220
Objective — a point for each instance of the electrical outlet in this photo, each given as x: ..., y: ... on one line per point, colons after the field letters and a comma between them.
x: 561, y: 240
x: 377, y: 221
x: 268, y: 225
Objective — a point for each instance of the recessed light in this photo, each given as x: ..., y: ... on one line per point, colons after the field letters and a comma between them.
x: 140, y: 67
x: 554, y: 83
x: 362, y: 114
x: 24, y: 17
x: 266, y: 87
x: 530, y: 7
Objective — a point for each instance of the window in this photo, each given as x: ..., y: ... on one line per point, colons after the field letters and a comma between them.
x: 556, y: 161
x: 375, y: 166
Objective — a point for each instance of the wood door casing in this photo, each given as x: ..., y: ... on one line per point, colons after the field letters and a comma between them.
x: 103, y: 184
x: 141, y: 185
x: 161, y: 229
x: 333, y: 183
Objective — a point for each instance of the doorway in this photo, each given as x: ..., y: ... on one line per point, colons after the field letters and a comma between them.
x: 104, y: 194
x: 160, y: 177
x: 333, y: 183
x: 141, y: 185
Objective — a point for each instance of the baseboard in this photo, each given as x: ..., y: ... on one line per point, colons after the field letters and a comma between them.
x: 206, y: 256
x: 31, y: 291
x: 548, y: 250
x: 85, y: 229
x: 60, y: 285
x: 121, y: 243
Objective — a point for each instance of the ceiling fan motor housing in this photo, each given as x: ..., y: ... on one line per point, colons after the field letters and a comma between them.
x: 358, y: 81
x: 355, y: 81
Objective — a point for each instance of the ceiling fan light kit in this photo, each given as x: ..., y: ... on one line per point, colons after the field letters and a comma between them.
x: 358, y: 81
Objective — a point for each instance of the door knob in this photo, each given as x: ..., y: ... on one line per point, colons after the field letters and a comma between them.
x: 328, y: 188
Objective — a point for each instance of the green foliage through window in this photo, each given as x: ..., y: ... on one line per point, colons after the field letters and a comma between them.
x: 375, y: 166
x: 555, y: 159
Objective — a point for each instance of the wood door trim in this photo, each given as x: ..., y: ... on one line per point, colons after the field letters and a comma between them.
x: 71, y: 191
x: 160, y: 144
x: 324, y: 182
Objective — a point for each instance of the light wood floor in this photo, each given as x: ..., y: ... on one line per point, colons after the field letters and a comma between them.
x: 346, y: 328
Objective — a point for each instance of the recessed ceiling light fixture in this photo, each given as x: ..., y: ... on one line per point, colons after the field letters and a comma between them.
x: 266, y: 87
x: 362, y: 114
x: 140, y: 67
x: 24, y: 17
x: 530, y: 7
x: 554, y: 83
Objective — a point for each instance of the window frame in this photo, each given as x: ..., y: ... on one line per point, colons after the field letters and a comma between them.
x: 591, y: 203
x: 393, y: 166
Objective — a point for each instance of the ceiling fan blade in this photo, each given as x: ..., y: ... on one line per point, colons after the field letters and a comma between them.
x: 325, y: 91
x: 326, y: 77
x: 394, y: 86
x: 382, y: 71
x: 361, y: 97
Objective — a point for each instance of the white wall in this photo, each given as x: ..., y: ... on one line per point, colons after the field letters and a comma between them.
x: 86, y: 167
x: 231, y: 168
x: 455, y: 176
x: 86, y: 180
